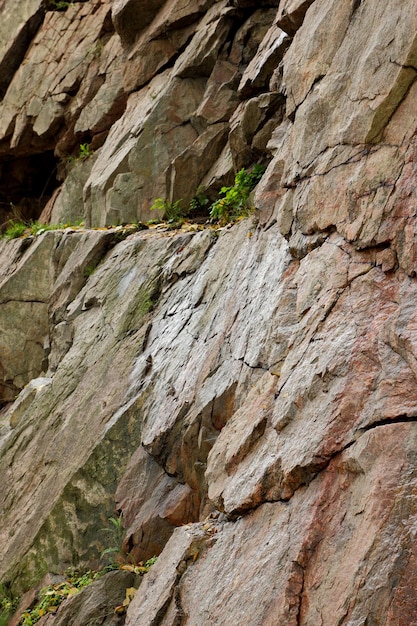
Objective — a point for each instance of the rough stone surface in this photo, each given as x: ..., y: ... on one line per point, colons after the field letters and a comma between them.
x: 245, y: 396
x: 18, y: 25
x: 291, y: 14
x: 95, y: 605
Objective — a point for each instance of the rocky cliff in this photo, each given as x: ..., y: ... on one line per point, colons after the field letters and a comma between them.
x: 245, y: 395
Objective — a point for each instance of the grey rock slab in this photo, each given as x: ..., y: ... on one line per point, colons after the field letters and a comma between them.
x: 265, y: 61
x: 26, y: 397
x: 156, y: 294
x: 18, y: 25
x: 158, y: 586
x: 134, y: 160
x: 356, y: 95
x: 33, y: 275
x: 25, y: 287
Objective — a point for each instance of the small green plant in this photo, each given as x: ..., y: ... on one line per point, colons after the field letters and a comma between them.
x: 85, y: 151
x: 199, y: 201
x: 96, y: 49
x: 234, y: 203
x: 148, y: 564
x: 172, y: 211
x: 50, y: 598
x: 116, y: 534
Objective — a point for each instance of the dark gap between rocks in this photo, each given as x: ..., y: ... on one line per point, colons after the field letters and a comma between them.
x: 26, y: 185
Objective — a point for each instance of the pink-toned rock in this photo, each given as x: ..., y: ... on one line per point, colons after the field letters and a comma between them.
x: 220, y: 98
x: 339, y: 396
x: 195, y: 161
x: 126, y: 176
x: 158, y: 589
x: 172, y: 27
x: 319, y: 550
x: 320, y: 38
x: 249, y: 118
x: 354, y: 110
x: 150, y: 522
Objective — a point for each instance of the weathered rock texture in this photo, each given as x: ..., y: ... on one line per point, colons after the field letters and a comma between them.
x: 245, y: 396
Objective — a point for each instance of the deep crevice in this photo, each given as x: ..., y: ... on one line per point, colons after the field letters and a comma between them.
x: 26, y: 185
x: 355, y: 7
x: 399, y: 419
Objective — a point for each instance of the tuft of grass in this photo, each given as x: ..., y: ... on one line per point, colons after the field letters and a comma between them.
x: 51, y: 597
x: 19, y: 228
x: 14, y: 230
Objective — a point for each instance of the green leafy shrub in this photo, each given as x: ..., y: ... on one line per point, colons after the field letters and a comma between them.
x: 85, y: 151
x: 172, y: 211
x: 148, y: 564
x: 50, y: 597
x: 59, y: 5
x: 234, y: 203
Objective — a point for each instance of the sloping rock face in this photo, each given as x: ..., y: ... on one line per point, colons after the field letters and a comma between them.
x: 245, y: 396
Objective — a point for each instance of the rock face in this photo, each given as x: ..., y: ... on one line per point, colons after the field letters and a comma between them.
x: 245, y: 396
